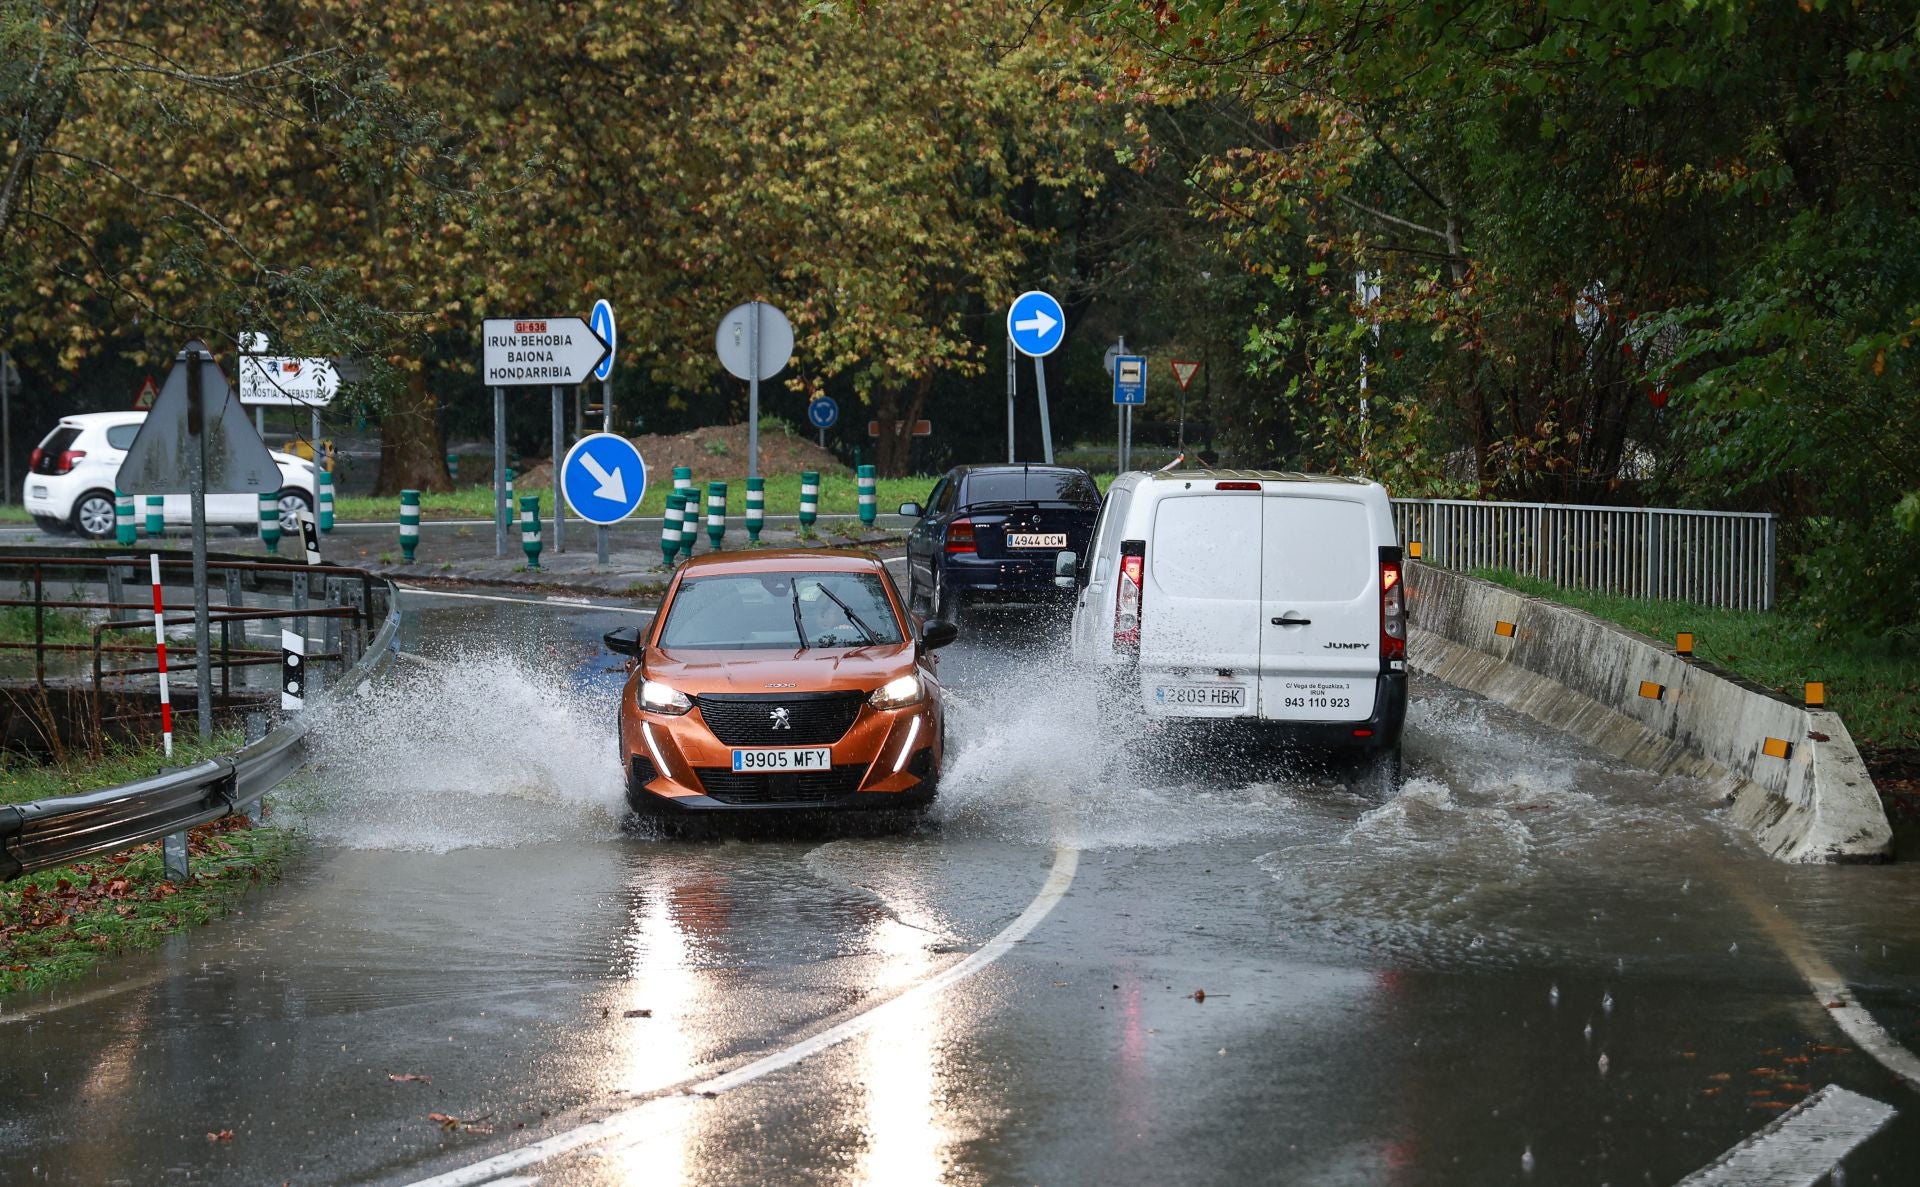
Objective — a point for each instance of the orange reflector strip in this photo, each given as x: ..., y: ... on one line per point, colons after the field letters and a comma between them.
x: 1652, y: 691
x: 1413, y: 550
x: 1816, y: 694
x: 1503, y: 629
x: 1683, y: 643
x: 1776, y: 748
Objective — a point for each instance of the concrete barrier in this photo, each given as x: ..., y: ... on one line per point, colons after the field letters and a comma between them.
x: 1791, y: 776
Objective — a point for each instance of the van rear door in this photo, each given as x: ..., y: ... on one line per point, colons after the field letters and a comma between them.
x: 1320, y: 606
x: 1200, y: 605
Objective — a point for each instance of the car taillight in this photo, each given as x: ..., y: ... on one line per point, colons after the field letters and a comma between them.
x: 1393, y: 609
x: 33, y: 462
x: 1128, y: 599
x: 960, y: 536
x: 67, y: 459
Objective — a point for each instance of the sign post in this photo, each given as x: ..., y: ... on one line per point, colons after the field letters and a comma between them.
x: 1129, y: 392
x: 559, y: 440
x: 1036, y: 326
x: 1183, y: 373
x: 529, y: 352
x: 823, y: 412
x: 601, y: 320
x: 754, y: 342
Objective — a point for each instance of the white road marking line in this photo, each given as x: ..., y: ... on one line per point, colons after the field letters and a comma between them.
x: 552, y: 601
x: 635, y: 1124
x: 1801, y: 1146
x: 1830, y: 988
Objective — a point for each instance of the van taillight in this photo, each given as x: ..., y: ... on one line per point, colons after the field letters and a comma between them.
x: 67, y: 459
x: 1236, y: 486
x: 1393, y: 610
x: 960, y: 536
x: 1128, y: 598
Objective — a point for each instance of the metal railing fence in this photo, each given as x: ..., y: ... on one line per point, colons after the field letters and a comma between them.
x: 1713, y: 558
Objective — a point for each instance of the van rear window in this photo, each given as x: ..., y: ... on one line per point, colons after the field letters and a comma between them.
x: 1318, y: 550
x: 1201, y: 547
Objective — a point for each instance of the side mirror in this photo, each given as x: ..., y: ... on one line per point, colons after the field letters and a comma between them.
x: 912, y: 510
x: 625, y: 641
x: 938, y: 634
x: 1066, y: 570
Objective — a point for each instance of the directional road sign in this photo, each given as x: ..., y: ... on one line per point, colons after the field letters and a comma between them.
x: 1130, y: 380
x: 603, y: 478
x: 1183, y: 372
x: 538, y: 351
x: 1036, y: 323
x: 734, y: 341
x: 601, y: 322
x: 823, y: 413
x: 271, y: 381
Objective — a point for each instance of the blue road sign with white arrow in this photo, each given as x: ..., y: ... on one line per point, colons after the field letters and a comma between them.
x: 823, y: 413
x: 1130, y: 380
x: 1036, y: 323
x: 603, y: 478
x: 601, y: 322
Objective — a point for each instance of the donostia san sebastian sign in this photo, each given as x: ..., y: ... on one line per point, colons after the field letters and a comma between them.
x: 540, y: 350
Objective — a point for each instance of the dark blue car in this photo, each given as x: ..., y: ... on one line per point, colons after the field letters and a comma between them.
x: 990, y: 534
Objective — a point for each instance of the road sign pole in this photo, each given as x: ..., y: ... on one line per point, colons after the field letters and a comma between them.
x: 499, y: 471
x: 559, y: 451
x: 601, y: 543
x: 197, y: 500
x: 1046, y: 422
x: 606, y: 405
x: 1013, y: 387
x: 753, y: 402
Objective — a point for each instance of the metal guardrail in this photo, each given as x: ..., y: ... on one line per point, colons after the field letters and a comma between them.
x: 55, y: 832
x: 1713, y: 558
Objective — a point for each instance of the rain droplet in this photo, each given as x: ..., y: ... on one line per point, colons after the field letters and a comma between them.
x: 1588, y: 1032
x: 1733, y: 949
x: 1526, y: 1160
x: 1606, y: 1003
x: 1603, y: 1063
x: 1553, y: 994
x: 1686, y: 886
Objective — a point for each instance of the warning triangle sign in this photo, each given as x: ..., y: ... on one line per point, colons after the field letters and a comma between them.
x: 159, y: 462
x: 1184, y: 372
x: 148, y: 391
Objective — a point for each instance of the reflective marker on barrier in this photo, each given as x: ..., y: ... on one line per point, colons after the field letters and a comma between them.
x: 1816, y: 697
x: 1652, y: 691
x: 1777, y: 748
x: 1683, y: 644
x: 293, y: 675
x: 1413, y: 550
x: 1503, y: 628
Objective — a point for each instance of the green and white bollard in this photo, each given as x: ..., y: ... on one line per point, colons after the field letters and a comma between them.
x: 809, y: 501
x: 670, y: 528
x: 683, y: 482
x: 409, y: 522
x: 510, y: 502
x: 869, y: 507
x: 530, y: 529
x: 270, y: 521
x: 453, y: 466
x: 756, y: 507
x: 325, y: 480
x: 156, y: 515
x: 716, y: 512
x: 125, y: 531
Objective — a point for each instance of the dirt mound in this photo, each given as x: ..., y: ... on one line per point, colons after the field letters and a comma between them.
x: 716, y: 452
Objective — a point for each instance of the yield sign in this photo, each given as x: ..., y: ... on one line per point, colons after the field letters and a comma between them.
x: 1184, y: 372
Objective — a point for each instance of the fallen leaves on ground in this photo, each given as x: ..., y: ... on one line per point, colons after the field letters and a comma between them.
x: 452, y: 1124
x: 224, y: 1135
x: 409, y: 1078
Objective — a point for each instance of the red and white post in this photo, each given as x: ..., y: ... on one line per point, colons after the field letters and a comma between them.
x: 160, y: 648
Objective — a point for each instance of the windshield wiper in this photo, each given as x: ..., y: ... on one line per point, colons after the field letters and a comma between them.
x: 798, y: 629
x: 859, y: 624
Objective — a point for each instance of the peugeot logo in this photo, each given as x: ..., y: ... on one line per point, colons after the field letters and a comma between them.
x: 782, y: 718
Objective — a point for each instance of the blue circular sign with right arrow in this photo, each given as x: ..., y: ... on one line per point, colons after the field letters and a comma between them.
x: 823, y: 413
x: 1036, y: 323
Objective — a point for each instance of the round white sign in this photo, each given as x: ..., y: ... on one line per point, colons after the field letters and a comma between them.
x: 734, y: 341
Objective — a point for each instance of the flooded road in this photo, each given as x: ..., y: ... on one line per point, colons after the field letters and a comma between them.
x: 1534, y: 965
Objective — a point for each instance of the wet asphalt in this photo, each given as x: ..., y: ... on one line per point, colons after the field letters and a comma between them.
x: 1534, y: 965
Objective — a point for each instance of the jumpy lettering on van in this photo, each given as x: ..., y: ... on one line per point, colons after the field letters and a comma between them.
x: 1348, y: 646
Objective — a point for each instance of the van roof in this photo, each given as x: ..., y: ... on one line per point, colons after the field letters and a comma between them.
x: 1255, y: 476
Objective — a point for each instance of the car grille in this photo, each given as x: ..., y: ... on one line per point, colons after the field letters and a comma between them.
x: 748, y: 719
x: 784, y: 787
x: 643, y: 772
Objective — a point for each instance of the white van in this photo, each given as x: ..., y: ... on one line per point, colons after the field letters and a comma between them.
x: 1260, y: 602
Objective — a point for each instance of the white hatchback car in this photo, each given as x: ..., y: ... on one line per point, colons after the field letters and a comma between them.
x: 70, y: 481
x: 1252, y: 604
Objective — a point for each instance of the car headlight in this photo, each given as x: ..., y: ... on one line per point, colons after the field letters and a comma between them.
x: 897, y: 693
x: 656, y: 697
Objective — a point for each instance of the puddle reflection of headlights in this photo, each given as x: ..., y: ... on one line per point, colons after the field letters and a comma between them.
x: 897, y: 693
x: 656, y: 697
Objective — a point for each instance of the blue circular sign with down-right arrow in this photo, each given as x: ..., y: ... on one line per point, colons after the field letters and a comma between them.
x: 1036, y: 323
x: 603, y: 478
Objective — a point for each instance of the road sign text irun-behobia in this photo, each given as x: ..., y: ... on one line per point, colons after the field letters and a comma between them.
x: 540, y: 350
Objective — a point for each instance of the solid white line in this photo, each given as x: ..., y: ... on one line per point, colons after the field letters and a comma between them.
x: 557, y: 603
x: 1801, y: 1146
x: 633, y: 1124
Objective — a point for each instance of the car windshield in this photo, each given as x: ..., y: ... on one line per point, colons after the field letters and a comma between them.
x: 779, y: 611
x: 1033, y: 486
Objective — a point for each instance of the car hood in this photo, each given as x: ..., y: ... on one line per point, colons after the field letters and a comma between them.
x: 817, y: 669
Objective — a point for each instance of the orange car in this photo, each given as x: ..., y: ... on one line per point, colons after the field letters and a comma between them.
x: 781, y: 680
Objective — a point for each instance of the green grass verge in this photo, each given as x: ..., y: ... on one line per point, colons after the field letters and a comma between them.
x: 58, y: 924
x: 22, y: 779
x: 1874, y: 688
x: 14, y: 513
x: 59, y: 626
x: 838, y: 495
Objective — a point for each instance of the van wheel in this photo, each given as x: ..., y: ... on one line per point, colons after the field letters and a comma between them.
x: 1378, y: 776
